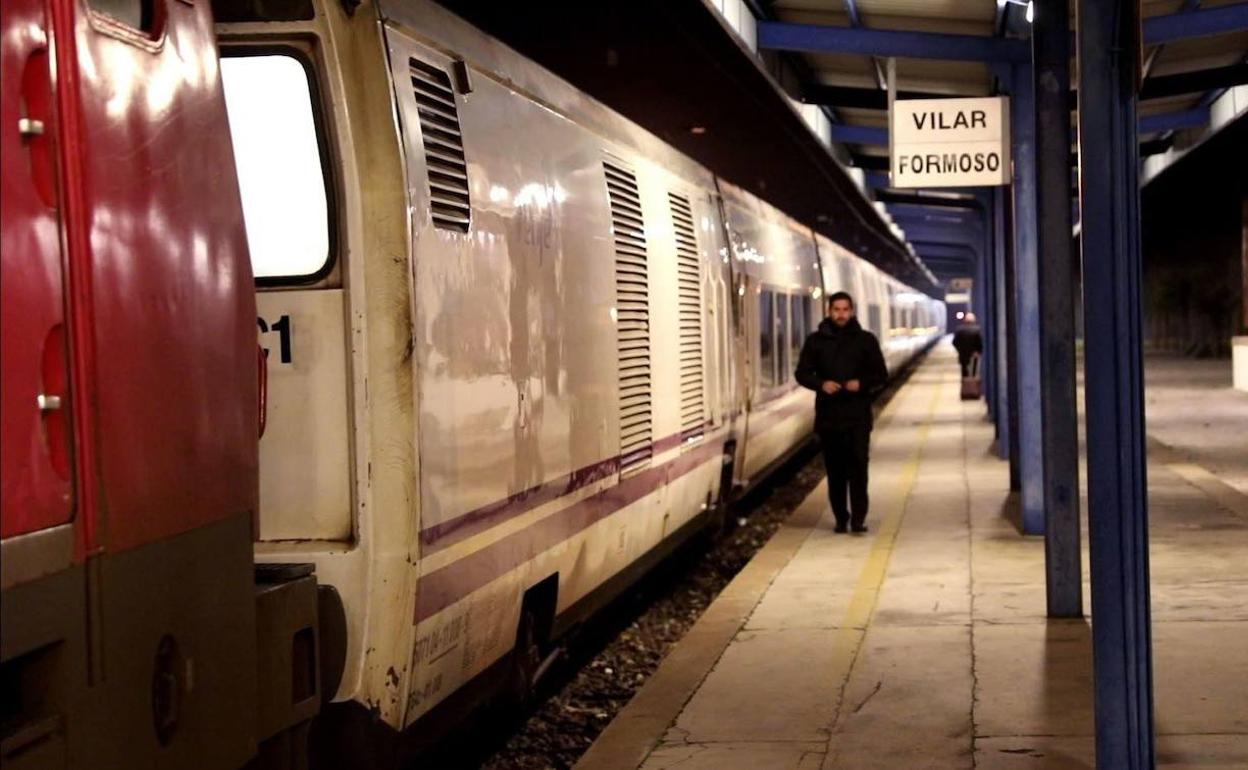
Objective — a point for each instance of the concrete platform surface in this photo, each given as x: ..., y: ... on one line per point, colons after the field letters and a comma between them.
x: 924, y: 644
x: 1192, y: 408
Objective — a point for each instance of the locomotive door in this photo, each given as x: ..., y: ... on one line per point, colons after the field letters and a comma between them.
x: 37, y: 480
x: 281, y: 153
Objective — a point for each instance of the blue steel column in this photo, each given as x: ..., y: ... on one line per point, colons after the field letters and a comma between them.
x: 1117, y: 484
x: 1050, y: 39
x: 1027, y: 301
x: 1007, y: 446
x: 983, y: 298
x: 987, y: 313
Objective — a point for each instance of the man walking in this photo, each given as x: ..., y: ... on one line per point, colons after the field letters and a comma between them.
x: 968, y: 341
x: 843, y: 364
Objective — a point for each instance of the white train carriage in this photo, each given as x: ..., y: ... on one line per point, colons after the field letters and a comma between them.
x: 517, y: 346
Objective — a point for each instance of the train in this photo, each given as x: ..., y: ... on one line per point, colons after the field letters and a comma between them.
x: 350, y: 360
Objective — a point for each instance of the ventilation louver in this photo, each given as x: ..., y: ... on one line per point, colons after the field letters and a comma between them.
x: 444, y: 147
x: 632, y: 306
x: 689, y: 303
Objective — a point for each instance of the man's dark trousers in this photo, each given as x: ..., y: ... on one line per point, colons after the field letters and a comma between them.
x: 845, y: 454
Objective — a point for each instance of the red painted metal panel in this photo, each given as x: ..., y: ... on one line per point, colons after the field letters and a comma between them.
x: 34, y: 444
x: 173, y: 378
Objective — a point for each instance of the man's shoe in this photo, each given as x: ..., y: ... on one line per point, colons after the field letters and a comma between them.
x: 840, y: 528
x: 860, y: 528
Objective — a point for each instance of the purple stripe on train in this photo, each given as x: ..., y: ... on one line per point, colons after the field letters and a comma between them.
x: 441, y: 589
x: 447, y: 533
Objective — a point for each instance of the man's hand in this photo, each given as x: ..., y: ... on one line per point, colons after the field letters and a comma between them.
x: 853, y: 386
x: 831, y: 387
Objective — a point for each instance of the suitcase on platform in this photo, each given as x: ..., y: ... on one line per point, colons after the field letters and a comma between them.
x: 970, y: 380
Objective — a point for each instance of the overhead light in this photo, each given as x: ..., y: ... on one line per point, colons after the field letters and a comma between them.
x: 1031, y: 10
x: 697, y: 130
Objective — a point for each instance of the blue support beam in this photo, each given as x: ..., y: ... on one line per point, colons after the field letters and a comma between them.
x: 847, y: 134
x: 1196, y: 23
x: 944, y: 256
x: 1117, y: 472
x: 819, y: 38
x: 1062, y: 542
x: 935, y: 215
x: 939, y: 256
x: 1175, y: 121
x: 855, y: 19
x: 945, y: 233
x: 1031, y: 426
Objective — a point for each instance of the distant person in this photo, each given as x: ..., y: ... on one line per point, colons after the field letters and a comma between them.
x: 968, y: 340
x: 843, y: 364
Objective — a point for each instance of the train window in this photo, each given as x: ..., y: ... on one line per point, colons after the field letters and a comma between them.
x: 782, y: 338
x: 847, y: 275
x: 766, y: 340
x: 873, y: 319
x: 800, y: 313
x: 137, y: 14
x: 280, y: 160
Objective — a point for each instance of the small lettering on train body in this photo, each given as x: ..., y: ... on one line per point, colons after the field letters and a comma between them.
x: 421, y: 694
x: 537, y: 227
x: 285, y: 337
x: 440, y: 640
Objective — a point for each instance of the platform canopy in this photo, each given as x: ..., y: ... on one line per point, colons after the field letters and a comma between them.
x: 1195, y: 49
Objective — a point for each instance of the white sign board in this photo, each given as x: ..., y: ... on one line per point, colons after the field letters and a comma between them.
x: 950, y: 142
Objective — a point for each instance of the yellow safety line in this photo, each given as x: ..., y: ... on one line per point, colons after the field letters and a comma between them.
x: 1209, y: 483
x: 852, y: 630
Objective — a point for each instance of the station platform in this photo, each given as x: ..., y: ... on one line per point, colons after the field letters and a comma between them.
x: 924, y: 643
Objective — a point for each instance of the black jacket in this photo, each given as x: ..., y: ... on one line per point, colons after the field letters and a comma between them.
x: 968, y: 341
x: 842, y: 354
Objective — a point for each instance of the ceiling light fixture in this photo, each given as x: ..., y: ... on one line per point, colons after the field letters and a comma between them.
x: 1030, y: 4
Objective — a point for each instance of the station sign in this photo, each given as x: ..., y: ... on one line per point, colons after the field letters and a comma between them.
x: 950, y: 142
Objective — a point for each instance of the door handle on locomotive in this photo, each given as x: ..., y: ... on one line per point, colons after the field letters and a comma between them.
x: 30, y: 127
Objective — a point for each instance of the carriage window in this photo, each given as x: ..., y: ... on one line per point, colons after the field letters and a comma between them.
x: 138, y: 14
x: 766, y: 340
x: 873, y: 320
x: 280, y: 160
x: 782, y: 338
x: 800, y: 313
x: 847, y: 275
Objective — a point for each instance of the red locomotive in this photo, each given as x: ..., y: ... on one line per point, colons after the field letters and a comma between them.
x: 130, y: 612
